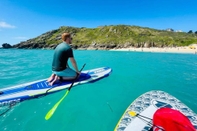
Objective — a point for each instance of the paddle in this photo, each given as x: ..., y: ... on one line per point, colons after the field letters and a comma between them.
x: 133, y: 113
x: 50, y: 113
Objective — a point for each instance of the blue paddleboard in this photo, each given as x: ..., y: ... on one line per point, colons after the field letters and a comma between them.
x: 39, y: 88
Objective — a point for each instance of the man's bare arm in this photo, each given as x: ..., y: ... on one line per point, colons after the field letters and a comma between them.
x: 74, y: 63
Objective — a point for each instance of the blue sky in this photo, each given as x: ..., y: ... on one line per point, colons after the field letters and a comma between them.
x: 24, y: 19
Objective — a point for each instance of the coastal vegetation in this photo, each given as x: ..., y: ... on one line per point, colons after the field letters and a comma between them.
x: 112, y: 36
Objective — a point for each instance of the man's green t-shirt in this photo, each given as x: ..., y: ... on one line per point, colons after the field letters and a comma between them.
x: 62, y: 52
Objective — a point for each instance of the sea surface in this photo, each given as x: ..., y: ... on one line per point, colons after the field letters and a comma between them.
x: 95, y: 106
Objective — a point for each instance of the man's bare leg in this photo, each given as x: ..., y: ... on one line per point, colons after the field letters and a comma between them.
x: 56, y: 78
x: 70, y: 78
x: 51, y: 78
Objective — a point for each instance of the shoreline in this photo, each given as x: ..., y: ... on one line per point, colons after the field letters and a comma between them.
x: 181, y: 50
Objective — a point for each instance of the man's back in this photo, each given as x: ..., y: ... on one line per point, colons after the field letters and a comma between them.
x: 62, y: 52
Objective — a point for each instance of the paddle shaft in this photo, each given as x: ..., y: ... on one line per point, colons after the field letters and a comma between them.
x: 51, y: 112
x: 142, y: 118
x: 76, y: 78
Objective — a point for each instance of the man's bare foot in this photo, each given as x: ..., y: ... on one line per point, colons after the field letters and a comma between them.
x: 51, y: 78
x: 56, y: 78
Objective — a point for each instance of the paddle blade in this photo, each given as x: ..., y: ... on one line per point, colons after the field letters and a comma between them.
x: 132, y: 113
x: 50, y: 113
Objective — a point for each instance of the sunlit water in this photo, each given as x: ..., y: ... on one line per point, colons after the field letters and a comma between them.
x: 95, y: 106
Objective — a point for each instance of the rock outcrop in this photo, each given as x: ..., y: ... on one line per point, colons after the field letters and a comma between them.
x: 6, y: 46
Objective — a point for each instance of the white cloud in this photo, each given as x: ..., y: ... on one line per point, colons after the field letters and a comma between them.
x: 6, y: 25
x: 20, y: 38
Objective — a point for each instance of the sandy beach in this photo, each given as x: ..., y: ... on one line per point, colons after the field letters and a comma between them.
x: 188, y: 49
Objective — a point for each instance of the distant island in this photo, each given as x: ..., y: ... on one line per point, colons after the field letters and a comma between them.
x: 110, y: 37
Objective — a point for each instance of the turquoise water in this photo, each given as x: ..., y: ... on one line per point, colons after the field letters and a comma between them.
x: 96, y: 106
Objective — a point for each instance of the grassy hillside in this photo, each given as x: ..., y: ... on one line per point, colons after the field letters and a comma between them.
x: 117, y: 35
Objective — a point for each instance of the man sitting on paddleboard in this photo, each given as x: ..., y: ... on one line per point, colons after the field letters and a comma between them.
x: 60, y: 67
